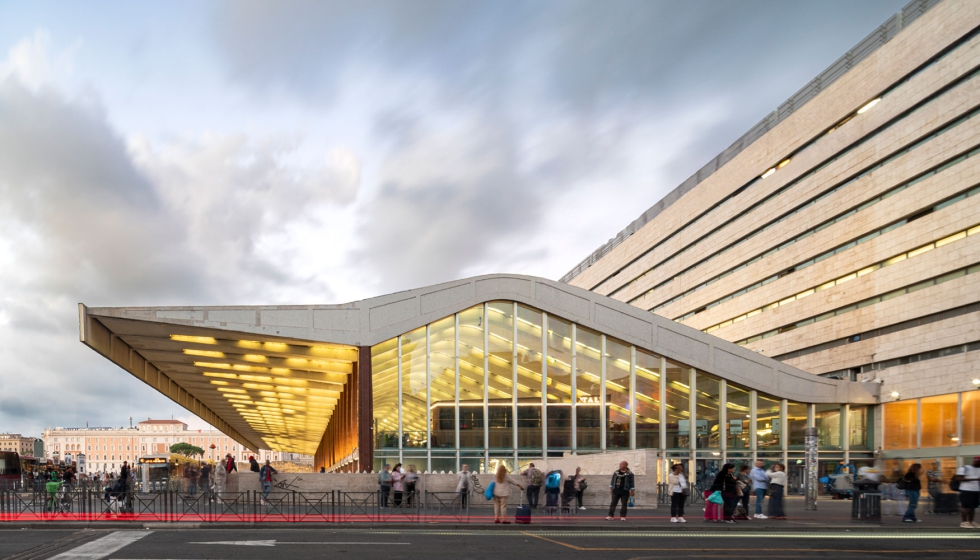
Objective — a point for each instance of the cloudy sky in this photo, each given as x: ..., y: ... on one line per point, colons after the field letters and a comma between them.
x: 298, y: 152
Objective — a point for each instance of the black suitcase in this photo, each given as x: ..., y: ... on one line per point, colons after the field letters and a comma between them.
x: 946, y: 503
x: 523, y: 515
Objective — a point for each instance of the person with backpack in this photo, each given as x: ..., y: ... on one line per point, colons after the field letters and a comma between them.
x: 621, y: 488
x: 912, y: 487
x: 967, y: 483
x: 535, y: 479
x: 253, y: 465
x: 384, y: 481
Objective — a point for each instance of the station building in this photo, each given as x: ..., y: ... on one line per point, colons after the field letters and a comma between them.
x: 820, y: 272
x: 840, y: 235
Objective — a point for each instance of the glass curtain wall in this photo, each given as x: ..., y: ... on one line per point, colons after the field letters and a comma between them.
x: 502, y: 383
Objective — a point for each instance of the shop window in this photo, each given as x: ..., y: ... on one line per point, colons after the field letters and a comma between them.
x: 939, y: 421
x: 900, y: 424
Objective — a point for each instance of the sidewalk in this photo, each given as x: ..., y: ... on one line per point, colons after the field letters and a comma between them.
x: 831, y: 515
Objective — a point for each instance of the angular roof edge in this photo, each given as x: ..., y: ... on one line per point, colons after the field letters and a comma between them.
x: 881, y: 35
x: 374, y: 320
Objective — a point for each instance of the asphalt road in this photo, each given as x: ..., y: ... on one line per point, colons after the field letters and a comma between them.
x: 363, y: 544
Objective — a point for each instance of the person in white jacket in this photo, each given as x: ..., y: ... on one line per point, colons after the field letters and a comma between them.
x: 777, y: 485
x: 501, y: 491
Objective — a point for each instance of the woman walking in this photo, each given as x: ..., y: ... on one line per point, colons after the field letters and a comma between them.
x: 580, y: 486
x: 777, y: 484
x: 501, y: 491
x: 677, y: 485
x: 913, y: 487
x: 727, y: 484
x: 397, y: 484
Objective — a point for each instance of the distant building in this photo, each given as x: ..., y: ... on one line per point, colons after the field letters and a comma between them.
x: 106, y: 448
x: 16, y: 442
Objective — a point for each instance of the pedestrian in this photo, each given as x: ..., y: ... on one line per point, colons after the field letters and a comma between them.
x: 253, y: 465
x: 745, y: 485
x: 205, y: 481
x: 679, y: 491
x: 397, y: 484
x: 620, y: 488
x: 580, y: 486
x: 265, y: 477
x: 968, y: 477
x: 220, y: 477
x: 777, y: 486
x: 323, y: 470
x: 913, y: 488
x: 760, y: 483
x: 726, y: 483
x: 501, y: 491
x: 384, y: 481
x: 411, y: 477
x: 463, y: 486
x: 535, y: 478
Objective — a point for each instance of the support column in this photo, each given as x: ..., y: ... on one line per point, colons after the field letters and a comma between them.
x: 544, y: 385
x: 456, y: 396
x: 753, y: 428
x: 365, y: 410
x: 663, y: 406
x: 399, y: 385
x: 428, y: 401
x: 692, y: 427
x: 633, y: 397
x: 845, y: 437
x: 723, y: 419
x: 513, y: 392
x: 602, y: 395
x: 574, y: 407
x: 486, y: 387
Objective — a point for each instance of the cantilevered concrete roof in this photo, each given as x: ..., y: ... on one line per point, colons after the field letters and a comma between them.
x: 272, y: 374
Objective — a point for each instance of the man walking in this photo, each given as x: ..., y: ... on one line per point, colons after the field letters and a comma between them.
x: 535, y: 479
x: 621, y: 488
x: 760, y: 483
x: 384, y: 481
x: 265, y: 476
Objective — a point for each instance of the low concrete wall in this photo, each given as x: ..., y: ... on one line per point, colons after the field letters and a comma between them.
x: 641, y: 462
x: 597, y: 494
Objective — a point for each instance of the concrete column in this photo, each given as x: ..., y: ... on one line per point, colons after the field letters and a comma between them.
x: 602, y: 394
x: 574, y: 407
x: 399, y: 368
x: 486, y: 387
x: 544, y: 385
x: 663, y: 406
x: 632, y: 397
x: 723, y: 420
x: 753, y: 428
x: 845, y: 426
x: 457, y: 376
x: 513, y: 392
x: 692, y: 433
x: 784, y: 430
x: 428, y: 400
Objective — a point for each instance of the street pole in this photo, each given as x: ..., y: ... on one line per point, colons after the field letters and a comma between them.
x: 810, y: 445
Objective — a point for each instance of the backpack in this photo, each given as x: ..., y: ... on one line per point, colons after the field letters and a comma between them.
x: 554, y: 481
x: 536, y: 477
x: 902, y: 484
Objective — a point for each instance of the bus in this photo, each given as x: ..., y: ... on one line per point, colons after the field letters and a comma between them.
x: 10, y: 470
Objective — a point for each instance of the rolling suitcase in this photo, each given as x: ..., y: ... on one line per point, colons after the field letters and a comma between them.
x: 712, y: 512
x: 523, y: 515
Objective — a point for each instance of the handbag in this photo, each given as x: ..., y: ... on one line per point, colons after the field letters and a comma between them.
x: 582, y: 485
x: 488, y: 493
x: 686, y: 491
x: 716, y: 498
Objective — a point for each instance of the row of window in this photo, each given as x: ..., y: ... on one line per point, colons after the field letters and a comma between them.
x: 850, y: 374
x: 895, y: 259
x: 941, y: 421
x: 834, y: 250
x: 506, y: 376
x: 914, y: 108
x: 864, y: 303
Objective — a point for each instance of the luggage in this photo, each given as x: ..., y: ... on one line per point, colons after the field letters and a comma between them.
x: 946, y: 503
x: 551, y: 499
x: 712, y: 512
x: 523, y: 515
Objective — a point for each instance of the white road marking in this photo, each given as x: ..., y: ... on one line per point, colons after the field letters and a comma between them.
x: 275, y: 542
x: 100, y: 548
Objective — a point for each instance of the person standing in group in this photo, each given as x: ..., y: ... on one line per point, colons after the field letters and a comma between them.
x: 384, y: 481
x: 411, y: 477
x: 727, y: 484
x: 679, y: 490
x: 968, y: 477
x: 621, y: 488
x: 265, y: 478
x: 580, y: 485
x: 463, y: 485
x: 501, y: 491
x: 777, y: 486
x: 760, y: 483
x: 535, y: 478
x: 397, y: 484
x: 253, y: 465
x: 745, y: 485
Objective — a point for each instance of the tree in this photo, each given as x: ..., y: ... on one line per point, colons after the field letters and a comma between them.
x: 186, y: 449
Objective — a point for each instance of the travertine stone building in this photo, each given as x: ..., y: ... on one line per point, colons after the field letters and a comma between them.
x: 16, y: 442
x: 842, y: 234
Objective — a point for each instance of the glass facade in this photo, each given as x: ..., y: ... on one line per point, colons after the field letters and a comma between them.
x: 503, y: 383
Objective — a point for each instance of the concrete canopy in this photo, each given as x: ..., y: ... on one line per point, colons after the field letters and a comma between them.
x: 273, y: 374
